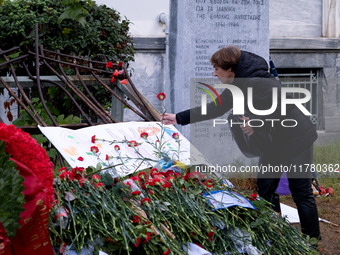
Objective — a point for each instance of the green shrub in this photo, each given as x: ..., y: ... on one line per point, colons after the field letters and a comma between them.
x: 79, y: 27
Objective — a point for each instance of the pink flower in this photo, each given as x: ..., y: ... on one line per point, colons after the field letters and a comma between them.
x: 109, y: 64
x: 133, y: 144
x: 94, y: 149
x: 115, y: 73
x: 161, y: 96
x: 81, y: 159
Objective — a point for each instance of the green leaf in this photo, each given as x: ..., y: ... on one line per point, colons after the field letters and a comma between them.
x: 14, y: 55
x: 67, y: 30
x: 11, y: 193
x: 99, y: 166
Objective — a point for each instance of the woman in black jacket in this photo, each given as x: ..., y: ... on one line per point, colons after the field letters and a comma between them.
x: 291, y: 147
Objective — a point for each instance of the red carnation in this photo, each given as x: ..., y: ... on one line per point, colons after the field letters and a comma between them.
x: 117, y: 148
x: 138, y: 241
x: 144, y: 135
x: 95, y: 177
x: 62, y: 169
x: 254, y: 196
x: 142, y: 175
x: 161, y: 96
x: 81, y: 181
x: 145, y: 200
x: 109, y: 64
x: 167, y: 252
x: 120, y: 64
x: 133, y: 144
x: 153, y: 171
x: 94, y: 149
x: 115, y: 73
x: 211, y: 234
x: 148, y: 237
x: 112, y: 79
x: 63, y: 175
x: 166, y: 185
x: 175, y: 135
x: 136, y: 219
x: 136, y: 193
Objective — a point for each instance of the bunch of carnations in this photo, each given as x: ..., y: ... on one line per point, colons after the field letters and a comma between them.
x: 160, y: 211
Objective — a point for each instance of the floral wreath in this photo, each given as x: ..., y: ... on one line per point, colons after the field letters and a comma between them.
x: 23, y: 148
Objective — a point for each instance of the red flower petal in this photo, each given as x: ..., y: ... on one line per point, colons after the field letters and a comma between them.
x: 124, y: 82
x: 115, y: 73
x: 175, y: 135
x: 81, y: 159
x: 133, y: 144
x: 144, y: 135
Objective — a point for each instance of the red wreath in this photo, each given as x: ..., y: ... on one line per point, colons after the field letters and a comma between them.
x: 35, y: 166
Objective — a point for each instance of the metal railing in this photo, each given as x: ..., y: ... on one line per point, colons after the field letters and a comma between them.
x: 307, y: 80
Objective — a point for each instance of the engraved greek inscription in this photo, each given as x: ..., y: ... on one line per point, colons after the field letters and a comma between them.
x: 199, y: 8
x: 200, y: 16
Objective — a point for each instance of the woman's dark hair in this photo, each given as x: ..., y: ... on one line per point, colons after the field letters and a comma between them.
x: 226, y: 58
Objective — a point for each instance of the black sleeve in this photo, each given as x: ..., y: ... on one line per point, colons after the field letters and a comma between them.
x: 183, y: 118
x: 263, y: 96
x: 213, y: 111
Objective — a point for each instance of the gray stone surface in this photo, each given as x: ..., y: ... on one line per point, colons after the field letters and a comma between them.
x: 295, y: 18
x: 148, y: 77
x: 197, y: 29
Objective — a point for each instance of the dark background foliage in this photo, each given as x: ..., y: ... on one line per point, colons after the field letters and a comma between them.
x: 73, y: 27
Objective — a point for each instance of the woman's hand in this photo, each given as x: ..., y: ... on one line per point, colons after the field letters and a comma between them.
x: 246, y: 128
x: 168, y: 119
